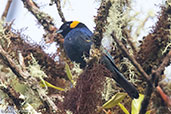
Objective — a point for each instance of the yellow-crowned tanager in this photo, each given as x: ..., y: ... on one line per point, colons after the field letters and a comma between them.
x: 77, y: 44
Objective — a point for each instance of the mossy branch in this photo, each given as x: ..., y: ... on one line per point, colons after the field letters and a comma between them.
x: 101, y: 21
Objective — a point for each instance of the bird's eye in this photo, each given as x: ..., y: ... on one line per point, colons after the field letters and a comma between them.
x: 67, y: 24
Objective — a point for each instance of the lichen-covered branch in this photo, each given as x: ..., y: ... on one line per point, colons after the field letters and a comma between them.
x: 25, y: 77
x: 45, y: 20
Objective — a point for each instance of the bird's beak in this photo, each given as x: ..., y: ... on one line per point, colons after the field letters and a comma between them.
x: 59, y: 31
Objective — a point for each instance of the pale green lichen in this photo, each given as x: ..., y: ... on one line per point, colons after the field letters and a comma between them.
x: 118, y: 17
x: 167, y: 48
x: 108, y: 89
x: 35, y: 71
x: 131, y: 72
x: 76, y: 69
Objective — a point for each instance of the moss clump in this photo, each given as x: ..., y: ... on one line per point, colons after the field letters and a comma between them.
x: 86, y: 96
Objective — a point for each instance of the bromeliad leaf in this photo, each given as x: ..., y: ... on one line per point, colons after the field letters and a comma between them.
x: 136, y: 104
x: 123, y: 108
x: 68, y: 72
x: 114, y: 100
x: 50, y: 85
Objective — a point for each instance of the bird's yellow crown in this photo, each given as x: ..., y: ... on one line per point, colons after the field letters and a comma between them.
x: 74, y: 24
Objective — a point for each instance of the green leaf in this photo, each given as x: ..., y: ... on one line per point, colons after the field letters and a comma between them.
x: 123, y: 108
x: 50, y: 85
x: 68, y: 72
x: 114, y: 100
x: 136, y: 104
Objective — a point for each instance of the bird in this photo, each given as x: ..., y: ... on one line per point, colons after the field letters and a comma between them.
x: 77, y: 44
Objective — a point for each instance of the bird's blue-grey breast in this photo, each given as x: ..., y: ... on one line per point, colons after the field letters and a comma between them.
x: 77, y: 44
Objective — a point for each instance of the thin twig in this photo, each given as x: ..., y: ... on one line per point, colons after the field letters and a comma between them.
x: 162, y: 66
x: 58, y: 5
x: 132, y: 59
x: 130, y: 42
x: 4, y: 15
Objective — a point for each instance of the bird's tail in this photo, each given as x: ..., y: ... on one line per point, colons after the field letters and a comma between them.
x: 118, y: 77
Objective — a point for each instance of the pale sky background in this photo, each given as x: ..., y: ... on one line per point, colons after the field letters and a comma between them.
x: 81, y: 10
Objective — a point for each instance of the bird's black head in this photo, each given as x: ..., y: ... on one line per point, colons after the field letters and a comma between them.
x: 68, y: 26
